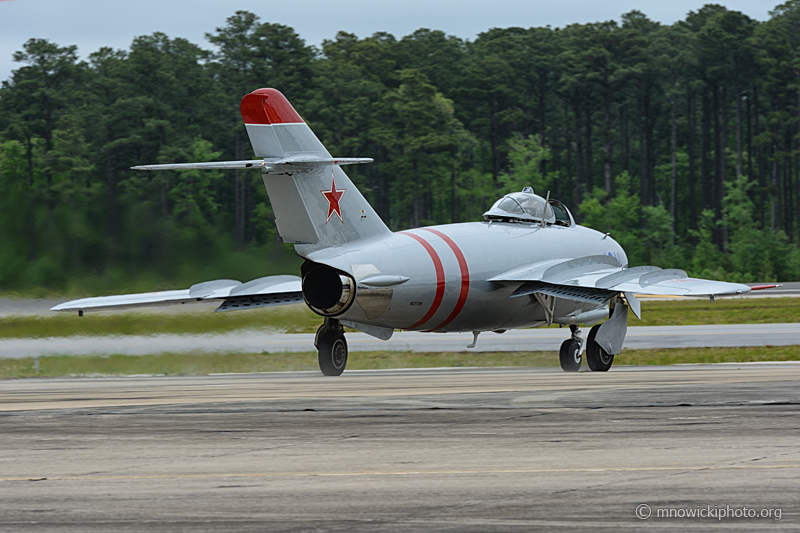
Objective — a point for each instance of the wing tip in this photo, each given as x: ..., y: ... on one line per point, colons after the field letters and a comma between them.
x: 65, y: 307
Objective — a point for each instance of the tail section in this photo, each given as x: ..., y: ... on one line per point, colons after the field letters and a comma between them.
x: 314, y: 201
x: 275, y: 129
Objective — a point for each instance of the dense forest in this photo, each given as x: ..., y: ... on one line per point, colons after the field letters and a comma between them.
x: 681, y: 140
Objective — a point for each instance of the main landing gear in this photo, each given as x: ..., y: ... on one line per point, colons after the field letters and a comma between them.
x: 571, y: 349
x: 596, y: 357
x: 332, y: 347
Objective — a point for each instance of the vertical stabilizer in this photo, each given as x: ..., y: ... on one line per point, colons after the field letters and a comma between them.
x: 314, y: 201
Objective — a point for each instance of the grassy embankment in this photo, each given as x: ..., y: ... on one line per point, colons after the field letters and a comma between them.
x: 299, y: 319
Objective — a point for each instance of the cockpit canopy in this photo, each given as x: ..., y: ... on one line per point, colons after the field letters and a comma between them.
x: 526, y: 206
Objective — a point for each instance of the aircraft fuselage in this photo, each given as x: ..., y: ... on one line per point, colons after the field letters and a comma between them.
x: 447, y: 269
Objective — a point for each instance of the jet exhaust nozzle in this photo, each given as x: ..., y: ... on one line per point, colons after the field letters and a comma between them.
x: 328, y: 292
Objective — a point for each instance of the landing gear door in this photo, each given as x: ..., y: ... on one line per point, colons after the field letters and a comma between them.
x: 612, y: 332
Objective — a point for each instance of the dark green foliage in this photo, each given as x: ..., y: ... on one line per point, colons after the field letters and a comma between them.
x: 682, y: 141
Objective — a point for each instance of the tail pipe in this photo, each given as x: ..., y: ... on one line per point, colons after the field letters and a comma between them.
x: 327, y: 291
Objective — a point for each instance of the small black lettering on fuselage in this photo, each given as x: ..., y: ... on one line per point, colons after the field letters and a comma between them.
x: 415, y: 303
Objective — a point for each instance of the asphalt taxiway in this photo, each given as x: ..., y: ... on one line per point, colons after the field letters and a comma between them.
x: 422, y: 450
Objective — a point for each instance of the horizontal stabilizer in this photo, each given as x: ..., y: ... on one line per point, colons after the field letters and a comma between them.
x: 310, y: 161
x: 267, y: 164
x: 268, y: 291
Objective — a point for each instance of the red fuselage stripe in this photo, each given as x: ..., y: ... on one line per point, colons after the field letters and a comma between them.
x: 462, y: 265
x: 437, y: 265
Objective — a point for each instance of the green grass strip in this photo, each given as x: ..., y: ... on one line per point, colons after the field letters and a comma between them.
x: 174, y: 364
x: 690, y: 312
x: 675, y: 356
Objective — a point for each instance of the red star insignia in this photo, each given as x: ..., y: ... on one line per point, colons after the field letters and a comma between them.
x: 333, y: 196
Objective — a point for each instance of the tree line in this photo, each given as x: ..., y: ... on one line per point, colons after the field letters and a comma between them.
x: 682, y: 140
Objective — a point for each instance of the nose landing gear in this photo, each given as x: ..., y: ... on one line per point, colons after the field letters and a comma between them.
x: 332, y: 347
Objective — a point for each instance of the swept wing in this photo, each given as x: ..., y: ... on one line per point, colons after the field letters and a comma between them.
x: 604, y: 273
x: 598, y: 278
x: 232, y: 295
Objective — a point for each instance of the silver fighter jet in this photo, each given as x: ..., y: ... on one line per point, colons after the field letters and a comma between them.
x: 527, y: 264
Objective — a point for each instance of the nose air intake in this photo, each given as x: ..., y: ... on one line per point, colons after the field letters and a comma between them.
x: 327, y: 292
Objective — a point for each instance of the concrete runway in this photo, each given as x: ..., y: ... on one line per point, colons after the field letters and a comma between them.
x: 430, y: 450
x: 542, y: 339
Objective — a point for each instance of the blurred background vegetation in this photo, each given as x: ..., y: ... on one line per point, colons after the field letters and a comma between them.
x: 683, y: 141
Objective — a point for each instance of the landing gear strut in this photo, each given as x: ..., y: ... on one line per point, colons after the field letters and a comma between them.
x: 596, y: 357
x: 332, y: 347
x: 570, y: 353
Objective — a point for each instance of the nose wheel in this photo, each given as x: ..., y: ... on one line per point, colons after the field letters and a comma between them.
x: 332, y: 348
x: 570, y: 353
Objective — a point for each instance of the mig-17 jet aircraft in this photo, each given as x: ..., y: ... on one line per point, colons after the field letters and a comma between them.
x: 527, y: 264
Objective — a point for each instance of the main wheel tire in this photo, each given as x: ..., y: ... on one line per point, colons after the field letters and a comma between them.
x: 570, y: 355
x: 596, y: 357
x: 332, y: 352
